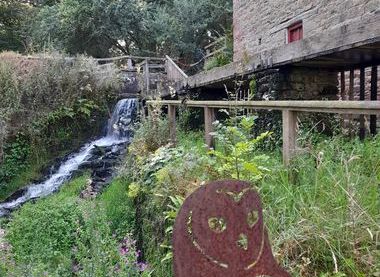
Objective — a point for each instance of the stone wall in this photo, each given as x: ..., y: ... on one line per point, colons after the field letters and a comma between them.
x: 308, y: 84
x: 262, y: 24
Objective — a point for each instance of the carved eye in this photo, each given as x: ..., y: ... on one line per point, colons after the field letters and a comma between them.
x: 243, y: 242
x: 252, y: 218
x: 218, y: 225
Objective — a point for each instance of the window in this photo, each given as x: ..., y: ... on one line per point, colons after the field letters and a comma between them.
x: 295, y: 32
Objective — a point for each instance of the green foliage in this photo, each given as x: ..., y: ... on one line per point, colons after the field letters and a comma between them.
x: 16, y: 156
x: 150, y: 134
x: 183, y: 27
x: 13, y: 17
x: 235, y: 154
x: 119, y: 207
x: 113, y: 25
x: 57, y: 104
x: 64, y: 235
x: 322, y: 213
x: 218, y: 60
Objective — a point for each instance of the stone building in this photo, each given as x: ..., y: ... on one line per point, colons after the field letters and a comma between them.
x: 327, y: 36
x: 303, y: 49
x: 268, y: 24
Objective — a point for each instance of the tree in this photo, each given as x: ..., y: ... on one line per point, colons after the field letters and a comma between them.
x: 92, y: 26
x: 13, y: 15
x: 184, y: 27
x: 179, y: 28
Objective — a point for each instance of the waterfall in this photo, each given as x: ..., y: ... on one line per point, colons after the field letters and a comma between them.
x: 119, y: 129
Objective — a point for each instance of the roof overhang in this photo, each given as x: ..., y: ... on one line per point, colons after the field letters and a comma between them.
x: 345, y: 47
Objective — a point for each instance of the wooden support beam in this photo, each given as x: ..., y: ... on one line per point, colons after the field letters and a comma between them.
x: 351, y: 98
x: 321, y: 106
x: 172, y: 124
x: 373, y: 118
x: 289, y: 130
x: 209, y: 128
x: 147, y: 76
x: 362, y: 98
x: 342, y: 85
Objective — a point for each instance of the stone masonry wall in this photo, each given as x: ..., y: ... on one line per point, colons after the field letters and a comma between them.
x: 262, y: 24
x: 308, y: 84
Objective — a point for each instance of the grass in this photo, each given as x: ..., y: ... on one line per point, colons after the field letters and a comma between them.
x: 323, y: 213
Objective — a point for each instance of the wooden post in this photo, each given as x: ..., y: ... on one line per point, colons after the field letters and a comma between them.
x: 351, y: 98
x: 362, y: 98
x: 172, y: 124
x: 147, y: 77
x: 289, y: 135
x: 373, y: 118
x: 209, y: 128
x: 343, y: 85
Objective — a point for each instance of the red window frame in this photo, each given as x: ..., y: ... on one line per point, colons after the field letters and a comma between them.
x: 295, y: 32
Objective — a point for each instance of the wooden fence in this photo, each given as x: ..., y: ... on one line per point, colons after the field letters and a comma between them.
x: 289, y: 115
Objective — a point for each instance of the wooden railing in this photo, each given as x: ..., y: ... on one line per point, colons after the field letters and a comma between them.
x: 174, y: 73
x: 289, y: 115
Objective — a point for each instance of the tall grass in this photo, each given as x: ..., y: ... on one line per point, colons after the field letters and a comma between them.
x: 323, y: 213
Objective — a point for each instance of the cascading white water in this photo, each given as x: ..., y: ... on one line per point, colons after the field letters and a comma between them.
x: 118, y: 131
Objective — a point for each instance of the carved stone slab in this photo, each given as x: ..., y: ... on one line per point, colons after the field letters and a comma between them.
x: 220, y: 231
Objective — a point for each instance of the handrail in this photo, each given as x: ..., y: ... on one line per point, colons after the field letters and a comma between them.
x: 341, y: 107
x: 97, y: 59
x: 289, y: 110
x: 129, y: 57
x: 176, y: 67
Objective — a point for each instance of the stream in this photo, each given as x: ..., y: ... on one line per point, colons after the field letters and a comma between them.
x: 100, y: 154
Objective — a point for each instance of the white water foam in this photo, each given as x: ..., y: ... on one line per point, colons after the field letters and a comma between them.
x: 117, y: 132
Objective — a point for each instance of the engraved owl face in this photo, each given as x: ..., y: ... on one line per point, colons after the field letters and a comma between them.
x: 226, y: 225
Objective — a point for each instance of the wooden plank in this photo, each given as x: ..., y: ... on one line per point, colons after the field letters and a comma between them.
x: 373, y: 118
x: 209, y: 114
x: 171, y: 64
x: 362, y: 98
x: 147, y: 76
x: 340, y: 107
x: 289, y: 135
x: 172, y: 124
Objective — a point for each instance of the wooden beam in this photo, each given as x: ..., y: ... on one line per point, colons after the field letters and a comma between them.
x: 209, y: 114
x: 342, y: 85
x: 339, y: 107
x: 147, y: 77
x: 373, y: 118
x: 362, y: 98
x: 289, y: 130
x: 351, y: 85
x: 172, y: 124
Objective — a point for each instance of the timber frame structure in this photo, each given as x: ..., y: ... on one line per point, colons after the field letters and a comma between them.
x: 289, y: 109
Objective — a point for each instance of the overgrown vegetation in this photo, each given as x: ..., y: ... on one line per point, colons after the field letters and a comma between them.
x: 49, y: 106
x: 322, y: 213
x: 153, y: 28
x: 65, y: 235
